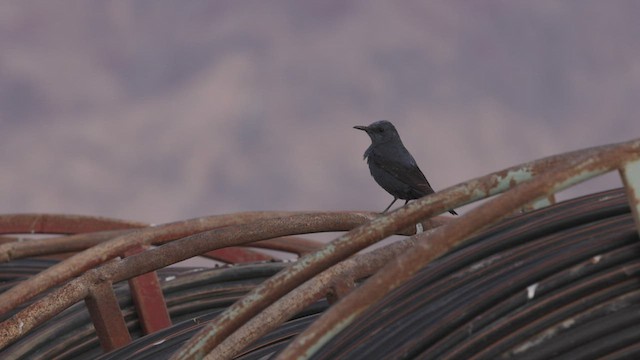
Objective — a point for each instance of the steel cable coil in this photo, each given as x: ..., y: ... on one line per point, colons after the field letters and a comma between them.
x: 536, y: 286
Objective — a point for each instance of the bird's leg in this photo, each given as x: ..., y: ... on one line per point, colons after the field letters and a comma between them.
x: 394, y: 200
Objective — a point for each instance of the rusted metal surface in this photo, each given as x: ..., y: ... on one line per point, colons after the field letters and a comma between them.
x: 509, y: 287
x: 60, y: 224
x: 285, y: 308
x: 290, y: 244
x: 159, y: 235
x: 148, y: 299
x: 20, y: 248
x: 301, y: 272
x: 153, y: 235
x: 168, y: 254
x: 475, y: 263
x: 17, y: 248
x: 538, y: 204
x: 583, y: 164
x: 14, y: 328
x: 106, y: 317
x: 162, y: 344
x: 8, y: 239
x: 319, y: 270
x: 237, y: 255
x: 190, y: 293
x: 574, y: 169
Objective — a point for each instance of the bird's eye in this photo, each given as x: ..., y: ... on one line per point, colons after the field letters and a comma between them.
x: 380, y: 130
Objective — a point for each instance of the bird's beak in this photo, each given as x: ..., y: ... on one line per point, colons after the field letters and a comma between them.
x: 363, y: 128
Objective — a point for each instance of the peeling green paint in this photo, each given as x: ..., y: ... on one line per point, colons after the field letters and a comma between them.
x: 516, y: 176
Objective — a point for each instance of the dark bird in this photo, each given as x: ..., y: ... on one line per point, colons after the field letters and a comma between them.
x: 392, y: 166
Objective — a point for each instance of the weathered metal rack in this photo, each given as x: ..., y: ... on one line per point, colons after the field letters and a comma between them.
x: 472, y: 299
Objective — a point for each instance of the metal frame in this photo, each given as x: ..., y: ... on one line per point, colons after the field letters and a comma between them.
x: 111, y: 251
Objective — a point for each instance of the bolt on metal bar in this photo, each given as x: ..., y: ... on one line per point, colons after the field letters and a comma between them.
x: 591, y: 163
x: 273, y: 288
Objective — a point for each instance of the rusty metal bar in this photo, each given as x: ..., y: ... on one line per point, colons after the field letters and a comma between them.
x: 540, y: 203
x: 153, y: 235
x: 148, y: 299
x: 107, y: 250
x: 236, y: 255
x: 377, y: 229
x: 8, y: 239
x: 591, y: 163
x: 16, y: 327
x: 168, y: 254
x: 19, y: 249
x: 630, y: 173
x: 230, y: 236
x: 106, y: 317
x: 290, y: 244
x: 13, y: 248
x: 60, y: 224
x: 351, y: 269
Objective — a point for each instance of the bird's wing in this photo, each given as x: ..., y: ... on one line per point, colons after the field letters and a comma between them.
x: 405, y: 172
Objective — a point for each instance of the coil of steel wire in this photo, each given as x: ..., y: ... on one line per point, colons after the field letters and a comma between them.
x: 190, y: 294
x: 561, y: 282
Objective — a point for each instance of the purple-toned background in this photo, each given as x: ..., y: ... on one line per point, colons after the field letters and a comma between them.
x: 165, y: 110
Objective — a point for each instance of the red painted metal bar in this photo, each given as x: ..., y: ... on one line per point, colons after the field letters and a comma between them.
x: 148, y: 299
x: 107, y: 317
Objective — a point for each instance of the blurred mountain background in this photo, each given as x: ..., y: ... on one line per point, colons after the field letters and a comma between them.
x: 164, y: 110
